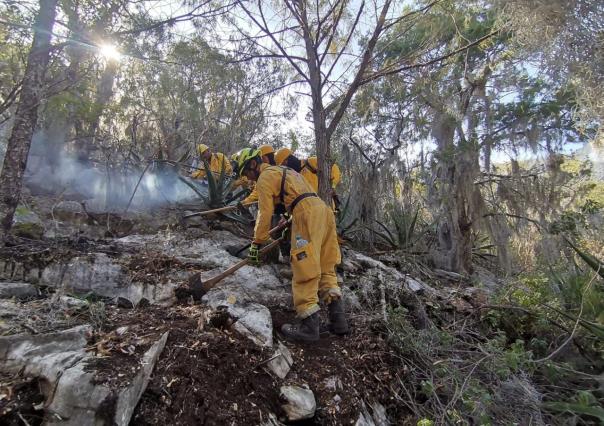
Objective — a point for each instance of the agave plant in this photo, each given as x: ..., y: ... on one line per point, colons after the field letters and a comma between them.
x: 593, y: 262
x: 402, y: 234
x: 344, y: 223
x: 219, y: 188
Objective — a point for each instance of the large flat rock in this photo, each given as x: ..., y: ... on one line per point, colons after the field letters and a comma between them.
x: 72, y: 394
x: 103, y: 276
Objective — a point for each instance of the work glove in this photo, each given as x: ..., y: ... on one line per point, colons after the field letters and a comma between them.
x: 253, y: 254
x: 283, y: 223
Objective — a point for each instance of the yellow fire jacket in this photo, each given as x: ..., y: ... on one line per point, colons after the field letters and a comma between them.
x: 218, y: 162
x: 242, y: 182
x: 271, y: 192
x: 309, y: 171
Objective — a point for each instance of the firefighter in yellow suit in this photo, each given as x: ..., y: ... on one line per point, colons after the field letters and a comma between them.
x: 217, y: 162
x: 268, y: 156
x: 308, y: 169
x: 315, y: 251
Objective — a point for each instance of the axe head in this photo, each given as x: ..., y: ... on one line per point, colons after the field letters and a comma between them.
x: 198, y: 287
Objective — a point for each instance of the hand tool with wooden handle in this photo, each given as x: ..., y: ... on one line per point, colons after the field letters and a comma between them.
x: 199, y: 288
x: 219, y: 210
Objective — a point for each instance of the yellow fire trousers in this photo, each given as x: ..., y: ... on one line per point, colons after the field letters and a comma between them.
x: 314, y: 265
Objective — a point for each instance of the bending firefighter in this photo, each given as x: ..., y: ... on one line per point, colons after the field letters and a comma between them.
x: 267, y: 154
x: 308, y: 169
x: 218, y: 163
x: 315, y: 251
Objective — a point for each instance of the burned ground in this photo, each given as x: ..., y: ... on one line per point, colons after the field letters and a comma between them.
x: 20, y: 401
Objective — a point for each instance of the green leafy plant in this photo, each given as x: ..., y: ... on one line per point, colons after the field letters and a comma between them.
x: 404, y: 224
x: 592, y: 261
x: 344, y: 221
x: 582, y: 404
x: 220, y: 186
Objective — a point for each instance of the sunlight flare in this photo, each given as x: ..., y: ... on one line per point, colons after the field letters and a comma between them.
x: 110, y: 52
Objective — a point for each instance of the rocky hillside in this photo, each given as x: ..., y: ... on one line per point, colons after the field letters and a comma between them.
x: 99, y: 327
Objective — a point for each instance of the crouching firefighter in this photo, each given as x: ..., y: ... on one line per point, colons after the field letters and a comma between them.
x: 315, y: 251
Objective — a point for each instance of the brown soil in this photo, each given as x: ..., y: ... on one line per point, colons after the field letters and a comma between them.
x: 152, y: 267
x: 345, y: 371
x: 127, y: 334
x: 214, y: 376
x: 207, y: 377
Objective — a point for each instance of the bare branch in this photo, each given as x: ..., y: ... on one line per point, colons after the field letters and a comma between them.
x: 336, y: 60
x: 264, y: 28
x: 356, y: 83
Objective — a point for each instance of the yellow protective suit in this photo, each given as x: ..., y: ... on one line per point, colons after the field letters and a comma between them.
x: 252, y: 198
x: 242, y: 182
x: 218, y: 162
x: 309, y: 171
x: 313, y: 265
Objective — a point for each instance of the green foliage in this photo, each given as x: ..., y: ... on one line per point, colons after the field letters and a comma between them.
x: 584, y: 403
x: 404, y: 221
x: 344, y: 220
x: 594, y: 263
x: 451, y: 369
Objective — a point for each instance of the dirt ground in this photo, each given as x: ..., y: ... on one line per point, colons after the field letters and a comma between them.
x: 208, y: 374
x: 215, y: 376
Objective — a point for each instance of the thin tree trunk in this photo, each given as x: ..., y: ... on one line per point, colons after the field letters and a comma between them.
x: 450, y: 200
x: 103, y: 96
x: 26, y: 116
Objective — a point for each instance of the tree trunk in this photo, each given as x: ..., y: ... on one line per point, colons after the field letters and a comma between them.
x: 318, y: 111
x: 452, y: 200
x: 26, y: 115
x: 103, y: 96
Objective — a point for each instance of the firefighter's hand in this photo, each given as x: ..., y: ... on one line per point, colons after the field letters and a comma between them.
x: 253, y: 254
x: 282, y: 222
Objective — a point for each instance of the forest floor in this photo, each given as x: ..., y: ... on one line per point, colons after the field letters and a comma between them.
x: 449, y: 354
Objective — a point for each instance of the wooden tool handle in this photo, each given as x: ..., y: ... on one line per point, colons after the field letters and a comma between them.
x: 209, y: 284
x: 221, y: 209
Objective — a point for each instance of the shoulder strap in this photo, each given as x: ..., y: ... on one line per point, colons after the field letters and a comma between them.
x: 282, y: 193
x: 309, y: 167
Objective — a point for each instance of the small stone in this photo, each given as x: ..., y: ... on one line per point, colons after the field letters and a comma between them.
x: 72, y: 302
x: 70, y: 211
x: 253, y: 321
x: 27, y: 224
x: 300, y: 404
x: 283, y: 362
x: 333, y: 383
x: 17, y: 290
x: 350, y: 265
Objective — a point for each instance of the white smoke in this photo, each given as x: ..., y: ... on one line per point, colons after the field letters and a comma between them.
x: 54, y: 170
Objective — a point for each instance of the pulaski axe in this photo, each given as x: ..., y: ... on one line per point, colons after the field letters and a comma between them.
x: 199, y: 288
x: 219, y: 210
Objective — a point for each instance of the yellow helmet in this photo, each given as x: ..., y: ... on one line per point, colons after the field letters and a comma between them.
x: 266, y: 149
x: 201, y: 148
x: 281, y: 155
x: 245, y: 155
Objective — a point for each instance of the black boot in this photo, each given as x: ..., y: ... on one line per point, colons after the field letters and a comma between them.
x: 337, y: 319
x: 306, y: 330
